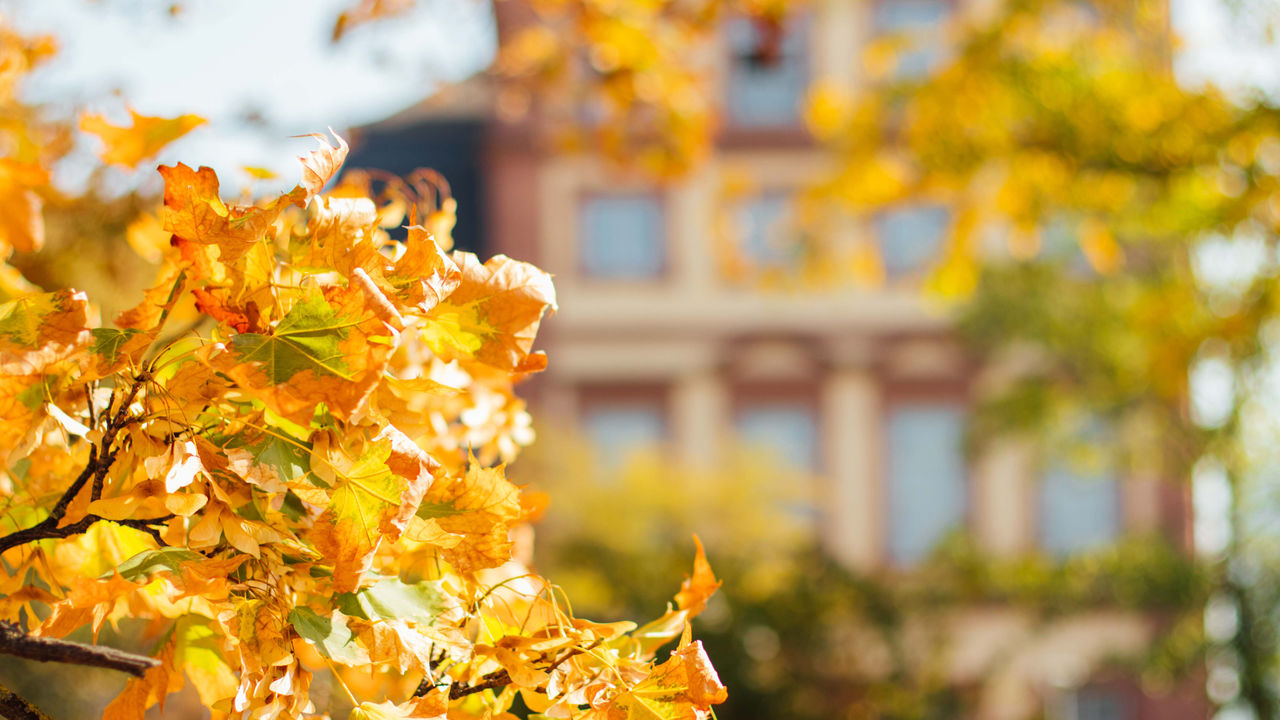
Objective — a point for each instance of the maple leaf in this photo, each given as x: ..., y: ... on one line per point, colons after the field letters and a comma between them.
x: 200, y: 654
x: 383, y: 711
x: 194, y: 211
x: 699, y: 587
x: 21, y: 398
x: 328, y: 348
x: 158, y: 301
x: 367, y: 11
x: 319, y: 166
x: 405, y: 647
x: 479, y: 506
x: 373, y: 498
x: 424, y: 275
x: 152, y: 688
x: 40, y: 330
x: 329, y: 635
x: 679, y: 689
x: 390, y: 599
x: 128, y: 145
x: 21, y: 226
x: 493, y: 315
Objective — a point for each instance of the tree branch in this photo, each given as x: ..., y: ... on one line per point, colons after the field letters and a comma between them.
x: 17, y: 643
x: 101, y: 457
x: 14, y: 707
x: 497, y: 679
x: 45, y: 530
x: 488, y: 682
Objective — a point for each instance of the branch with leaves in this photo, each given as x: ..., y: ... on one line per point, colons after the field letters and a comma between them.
x: 307, y: 474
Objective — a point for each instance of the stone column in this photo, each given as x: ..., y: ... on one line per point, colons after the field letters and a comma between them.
x: 854, y: 502
x: 698, y: 413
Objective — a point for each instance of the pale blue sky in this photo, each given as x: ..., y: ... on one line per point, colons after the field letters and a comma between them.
x: 226, y: 58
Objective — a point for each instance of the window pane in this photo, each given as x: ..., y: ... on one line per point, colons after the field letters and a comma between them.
x: 907, y: 15
x: 622, y: 236
x: 763, y: 223
x: 616, y: 432
x: 1078, y: 510
x: 765, y: 94
x: 918, y: 21
x: 911, y: 237
x: 926, y: 478
x: 1099, y: 704
x: 788, y: 430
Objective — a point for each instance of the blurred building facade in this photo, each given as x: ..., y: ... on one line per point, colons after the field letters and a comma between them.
x: 665, y: 336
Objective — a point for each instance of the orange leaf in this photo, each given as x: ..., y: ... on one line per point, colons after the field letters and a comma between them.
x: 146, y: 136
x: 319, y: 166
x: 697, y: 589
x: 21, y: 225
x: 194, y: 211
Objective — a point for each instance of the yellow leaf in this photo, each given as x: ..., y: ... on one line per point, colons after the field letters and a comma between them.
x: 1100, y: 246
x: 493, y: 315
x: 699, y: 587
x: 144, y: 137
x: 21, y: 226
x: 147, y: 236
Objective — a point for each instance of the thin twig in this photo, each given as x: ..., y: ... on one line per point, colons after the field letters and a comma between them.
x: 488, y: 682
x: 500, y: 678
x: 101, y: 457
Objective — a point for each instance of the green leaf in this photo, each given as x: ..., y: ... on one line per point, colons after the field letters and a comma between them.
x: 20, y: 319
x: 199, y: 652
x: 309, y: 337
x: 330, y: 635
x: 288, y: 460
x: 391, y: 599
x: 149, y: 562
x: 108, y: 341
x: 431, y: 511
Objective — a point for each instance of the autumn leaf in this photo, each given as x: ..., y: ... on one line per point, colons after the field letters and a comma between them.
x: 493, y: 315
x: 21, y: 225
x: 699, y: 587
x: 319, y: 166
x: 365, y: 11
x: 128, y: 145
x: 330, y: 635
x: 328, y: 348
x: 680, y: 688
x: 194, y: 211
x: 479, y: 506
x: 382, y: 711
x: 152, y: 688
x: 373, y: 499
x: 40, y: 330
x: 200, y: 654
x: 390, y: 599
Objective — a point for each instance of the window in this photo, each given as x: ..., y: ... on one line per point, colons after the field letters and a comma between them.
x: 919, y: 23
x: 618, y: 430
x: 787, y: 429
x: 911, y: 236
x: 926, y: 477
x: 763, y: 224
x: 765, y: 92
x: 622, y: 236
x: 1093, y: 702
x: 1079, y: 510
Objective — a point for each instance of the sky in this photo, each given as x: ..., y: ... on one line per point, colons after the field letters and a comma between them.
x: 232, y: 60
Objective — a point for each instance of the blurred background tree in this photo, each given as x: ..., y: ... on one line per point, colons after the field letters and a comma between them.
x: 1094, y: 202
